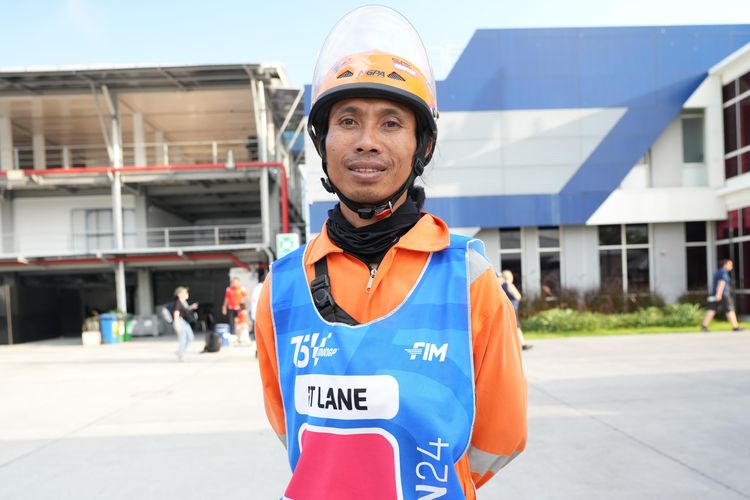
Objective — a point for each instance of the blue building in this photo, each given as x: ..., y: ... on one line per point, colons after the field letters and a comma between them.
x: 596, y: 156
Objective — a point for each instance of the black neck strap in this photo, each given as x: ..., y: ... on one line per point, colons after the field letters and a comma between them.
x: 320, y: 287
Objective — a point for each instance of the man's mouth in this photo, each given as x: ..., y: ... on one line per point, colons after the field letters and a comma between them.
x: 366, y: 170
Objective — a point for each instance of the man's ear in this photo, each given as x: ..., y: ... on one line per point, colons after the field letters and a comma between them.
x: 429, y: 148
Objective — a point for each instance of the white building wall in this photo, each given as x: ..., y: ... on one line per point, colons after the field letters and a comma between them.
x: 677, y: 191
x: 645, y: 206
x: 666, y: 157
x: 708, y: 97
x: 6, y: 225
x: 669, y: 260
x: 44, y: 225
x: 579, y: 255
x: 530, y: 271
x: 491, y: 239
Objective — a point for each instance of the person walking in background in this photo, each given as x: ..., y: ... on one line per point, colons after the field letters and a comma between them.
x: 721, y: 296
x: 183, y: 318
x: 234, y: 295
x: 506, y: 283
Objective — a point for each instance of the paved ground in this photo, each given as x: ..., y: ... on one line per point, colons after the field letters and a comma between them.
x: 646, y: 417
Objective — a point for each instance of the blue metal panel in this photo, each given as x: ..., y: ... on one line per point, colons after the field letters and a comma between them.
x: 470, y: 211
x: 650, y: 71
x: 580, y: 67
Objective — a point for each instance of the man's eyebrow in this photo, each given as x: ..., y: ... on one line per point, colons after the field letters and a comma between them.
x: 392, y: 111
x: 346, y: 109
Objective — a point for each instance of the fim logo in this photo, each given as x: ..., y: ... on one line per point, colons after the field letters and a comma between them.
x: 427, y: 351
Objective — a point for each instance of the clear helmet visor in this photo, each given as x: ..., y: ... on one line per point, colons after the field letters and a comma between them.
x: 372, y: 29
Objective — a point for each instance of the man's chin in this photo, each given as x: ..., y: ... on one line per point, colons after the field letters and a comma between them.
x: 364, y: 199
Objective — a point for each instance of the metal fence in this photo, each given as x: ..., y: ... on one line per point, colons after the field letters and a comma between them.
x: 153, y: 238
x: 162, y: 153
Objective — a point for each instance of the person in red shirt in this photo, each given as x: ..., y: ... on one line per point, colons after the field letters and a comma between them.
x: 234, y: 296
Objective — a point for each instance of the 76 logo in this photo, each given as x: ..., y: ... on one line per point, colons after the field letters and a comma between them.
x: 306, y: 347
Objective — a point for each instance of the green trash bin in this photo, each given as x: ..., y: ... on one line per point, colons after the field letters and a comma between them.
x: 128, y: 336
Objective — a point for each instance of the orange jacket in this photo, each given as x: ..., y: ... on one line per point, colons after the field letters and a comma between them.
x: 499, y: 432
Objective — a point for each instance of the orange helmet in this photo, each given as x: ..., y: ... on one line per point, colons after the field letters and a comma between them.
x: 374, y: 51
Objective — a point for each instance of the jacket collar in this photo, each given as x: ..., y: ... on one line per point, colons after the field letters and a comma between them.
x: 430, y: 234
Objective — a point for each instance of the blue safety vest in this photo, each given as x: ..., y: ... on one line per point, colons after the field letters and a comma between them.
x: 382, y: 410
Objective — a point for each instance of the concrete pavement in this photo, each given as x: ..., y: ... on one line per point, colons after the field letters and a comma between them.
x: 657, y: 416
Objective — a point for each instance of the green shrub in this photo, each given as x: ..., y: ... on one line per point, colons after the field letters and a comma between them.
x: 533, y: 305
x: 698, y: 298
x: 567, y: 298
x: 644, y: 300
x: 608, y: 300
x: 682, y: 314
x: 560, y: 320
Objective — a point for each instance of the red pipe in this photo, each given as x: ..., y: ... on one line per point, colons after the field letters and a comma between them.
x: 177, y: 168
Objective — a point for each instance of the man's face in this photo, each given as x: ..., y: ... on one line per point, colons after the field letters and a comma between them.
x: 729, y: 265
x: 369, y: 147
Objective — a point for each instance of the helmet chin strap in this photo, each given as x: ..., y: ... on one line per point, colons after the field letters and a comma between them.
x: 377, y: 211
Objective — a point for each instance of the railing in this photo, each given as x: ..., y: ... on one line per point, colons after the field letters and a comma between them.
x: 66, y: 243
x: 154, y: 153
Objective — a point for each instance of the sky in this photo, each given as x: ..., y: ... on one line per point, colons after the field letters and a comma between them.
x: 54, y: 33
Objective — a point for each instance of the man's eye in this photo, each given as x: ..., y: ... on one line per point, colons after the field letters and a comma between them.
x: 347, y: 121
x: 392, y: 124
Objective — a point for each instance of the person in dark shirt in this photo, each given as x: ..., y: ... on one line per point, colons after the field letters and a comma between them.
x: 183, y: 319
x: 505, y: 279
x: 721, y: 296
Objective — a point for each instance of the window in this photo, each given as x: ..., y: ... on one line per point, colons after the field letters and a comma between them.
x: 744, y: 122
x: 93, y: 229
x: 736, y: 96
x: 697, y: 257
x: 728, y: 91
x: 549, y: 261
x: 744, y: 83
x: 733, y: 242
x: 624, y: 257
x: 510, y: 254
x: 692, y: 138
x: 728, y: 228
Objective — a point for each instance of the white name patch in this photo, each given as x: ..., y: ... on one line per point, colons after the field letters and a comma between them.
x: 346, y: 397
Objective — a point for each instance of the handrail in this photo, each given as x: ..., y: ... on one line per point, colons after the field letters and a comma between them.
x: 175, y: 168
x: 157, y: 238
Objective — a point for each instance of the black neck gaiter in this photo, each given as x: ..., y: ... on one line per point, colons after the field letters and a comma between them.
x: 370, y: 243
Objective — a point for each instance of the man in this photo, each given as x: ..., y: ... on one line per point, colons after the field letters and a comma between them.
x: 721, y: 296
x: 234, y: 296
x: 391, y: 366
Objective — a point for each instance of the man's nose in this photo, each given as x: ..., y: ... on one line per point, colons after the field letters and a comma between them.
x: 367, y: 139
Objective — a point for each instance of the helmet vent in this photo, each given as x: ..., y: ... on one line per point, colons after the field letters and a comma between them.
x: 395, y: 76
x: 345, y: 74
